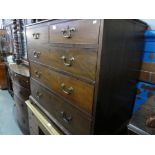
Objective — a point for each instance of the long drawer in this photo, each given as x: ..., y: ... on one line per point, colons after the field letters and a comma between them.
x: 81, y: 62
x: 75, y: 32
x: 71, y: 118
x: 76, y: 91
x: 20, y: 91
x: 21, y: 80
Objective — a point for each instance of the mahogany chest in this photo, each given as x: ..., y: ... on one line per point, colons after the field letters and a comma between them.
x: 83, y: 72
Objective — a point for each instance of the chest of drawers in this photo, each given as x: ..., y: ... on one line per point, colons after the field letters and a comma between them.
x: 81, y: 74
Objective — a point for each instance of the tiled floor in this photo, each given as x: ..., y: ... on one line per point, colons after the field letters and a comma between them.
x: 8, y: 124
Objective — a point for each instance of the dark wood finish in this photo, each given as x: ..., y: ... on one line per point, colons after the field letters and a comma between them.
x: 22, y: 114
x: 109, y: 99
x: 21, y: 88
x: 21, y: 92
x: 54, y: 80
x: 65, y: 114
x: 84, y: 63
x: 138, y: 122
x: 3, y: 77
x: 21, y: 80
x: 115, y: 93
x: 86, y: 32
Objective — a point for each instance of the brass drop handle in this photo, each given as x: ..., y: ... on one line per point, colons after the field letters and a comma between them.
x: 38, y: 94
x: 67, y: 33
x: 66, y: 90
x: 66, y: 118
x: 36, y: 54
x: 68, y: 62
x: 37, y: 74
x: 36, y: 35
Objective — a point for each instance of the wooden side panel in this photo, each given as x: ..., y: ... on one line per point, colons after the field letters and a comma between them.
x: 122, y: 39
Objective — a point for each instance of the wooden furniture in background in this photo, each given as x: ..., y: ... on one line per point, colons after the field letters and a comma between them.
x: 21, y: 88
x: 3, y: 77
x: 81, y: 74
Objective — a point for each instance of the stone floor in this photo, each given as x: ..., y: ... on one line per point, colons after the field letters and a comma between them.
x: 8, y: 124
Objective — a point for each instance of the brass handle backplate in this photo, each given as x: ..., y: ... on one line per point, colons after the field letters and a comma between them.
x: 36, y: 54
x: 36, y: 35
x: 37, y: 74
x: 66, y: 90
x: 67, y: 33
x: 66, y: 118
x: 68, y: 62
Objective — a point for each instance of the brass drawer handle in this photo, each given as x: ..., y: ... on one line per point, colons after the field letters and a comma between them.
x: 67, y: 33
x: 36, y: 54
x: 36, y: 35
x: 37, y: 74
x: 67, y: 91
x: 66, y: 118
x: 38, y: 94
x: 68, y: 62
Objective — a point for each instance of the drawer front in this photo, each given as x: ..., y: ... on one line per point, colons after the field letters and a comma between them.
x: 37, y: 35
x: 75, y: 32
x: 81, y: 62
x: 21, y: 80
x: 69, y: 117
x: 76, y: 91
x: 21, y: 92
x: 22, y: 114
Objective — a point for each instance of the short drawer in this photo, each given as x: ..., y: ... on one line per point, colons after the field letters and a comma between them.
x: 37, y: 34
x: 20, y: 91
x: 21, y: 80
x: 75, y: 32
x: 81, y: 62
x: 78, y: 92
x: 69, y: 117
